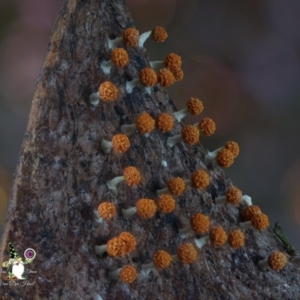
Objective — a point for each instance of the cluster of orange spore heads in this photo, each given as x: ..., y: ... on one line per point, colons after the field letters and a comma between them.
x: 119, y: 57
x: 108, y: 91
x: 119, y: 245
x: 224, y: 156
x: 176, y: 186
x: 120, y: 143
x: 164, y: 122
x: 199, y: 223
x: 165, y: 203
x: 132, y: 176
x: 106, y: 210
x: 145, y: 123
x: 145, y: 208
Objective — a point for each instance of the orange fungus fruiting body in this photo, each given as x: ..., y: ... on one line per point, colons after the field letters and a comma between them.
x: 172, y: 62
x: 233, y: 147
x: 260, y: 221
x: 159, y: 34
x: 277, y: 260
x: 207, y: 126
x: 132, y: 176
x: 161, y: 259
x: 217, y: 236
x: 129, y: 241
x: 145, y: 208
x: 164, y: 122
x: 165, y: 77
x: 178, y: 74
x: 236, y: 239
x: 128, y: 274
x: 224, y: 158
x: 120, y: 143
x: 249, y: 212
x: 106, y: 210
x: 186, y: 253
x: 108, y: 91
x: 148, y: 77
x: 176, y: 186
x: 190, y: 134
x: 116, y: 247
x: 119, y: 57
x: 200, y: 179
x: 131, y: 37
x: 165, y: 203
x: 194, y: 106
x: 234, y: 195
x: 144, y: 123
x: 199, y: 223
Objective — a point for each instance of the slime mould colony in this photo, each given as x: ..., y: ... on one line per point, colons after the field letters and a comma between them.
x: 166, y: 73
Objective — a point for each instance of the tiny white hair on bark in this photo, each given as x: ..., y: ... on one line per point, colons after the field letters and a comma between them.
x: 106, y: 66
x: 202, y: 241
x: 106, y: 146
x: 112, y: 184
x: 173, y: 140
x: 94, y: 98
x: 178, y: 115
x: 143, y: 37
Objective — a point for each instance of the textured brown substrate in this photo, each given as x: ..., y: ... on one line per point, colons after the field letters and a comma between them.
x: 62, y: 173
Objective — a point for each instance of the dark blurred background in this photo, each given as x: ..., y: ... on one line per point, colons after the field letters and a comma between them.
x: 241, y: 58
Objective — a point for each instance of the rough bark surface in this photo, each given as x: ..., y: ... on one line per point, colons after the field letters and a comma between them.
x: 62, y: 173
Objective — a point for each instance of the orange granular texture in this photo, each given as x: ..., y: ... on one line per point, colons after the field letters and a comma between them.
x: 144, y: 123
x: 178, y: 74
x: 200, y: 179
x: 236, y: 238
x: 159, y: 34
x: 186, y: 253
x: 260, y: 221
x: 176, y: 186
x: 200, y: 223
x: 233, y: 147
x: 108, y: 91
x: 190, y: 134
x: 147, y: 77
x: 106, y: 210
x: 165, y: 203
x: 128, y: 274
x: 217, y: 236
x: 116, y: 247
x: 165, y: 77
x: 224, y: 158
x: 277, y: 260
x: 173, y: 62
x: 194, y: 106
x: 131, y: 37
x: 132, y: 176
x: 233, y: 195
x: 129, y: 241
x: 161, y: 259
x: 119, y: 57
x: 145, y: 208
x: 207, y: 126
x: 120, y: 143
x: 164, y: 122
x: 249, y: 212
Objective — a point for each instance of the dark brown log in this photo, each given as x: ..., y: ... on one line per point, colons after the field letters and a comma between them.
x: 62, y: 174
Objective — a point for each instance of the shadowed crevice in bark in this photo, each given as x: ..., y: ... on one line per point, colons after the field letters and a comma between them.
x: 62, y: 173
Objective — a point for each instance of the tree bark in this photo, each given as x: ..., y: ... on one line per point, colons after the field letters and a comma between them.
x: 62, y: 174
